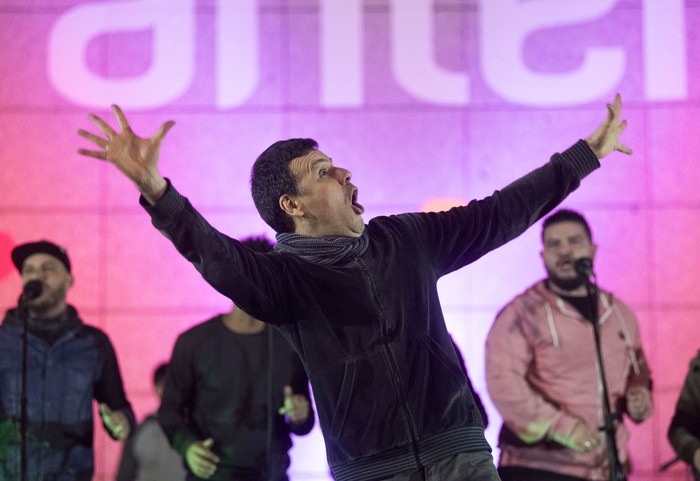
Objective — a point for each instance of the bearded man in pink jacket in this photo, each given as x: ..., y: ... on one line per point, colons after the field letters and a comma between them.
x: 542, y: 370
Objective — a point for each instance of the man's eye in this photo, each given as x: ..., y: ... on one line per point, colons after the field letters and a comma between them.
x: 323, y: 172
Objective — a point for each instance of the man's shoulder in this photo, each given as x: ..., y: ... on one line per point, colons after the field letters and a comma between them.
x: 527, y: 309
x: 534, y: 295
x: 11, y: 318
x: 95, y: 337
x: 397, y: 230
x: 201, y: 330
x: 695, y: 362
x: 394, y: 221
x: 93, y: 331
x: 617, y: 302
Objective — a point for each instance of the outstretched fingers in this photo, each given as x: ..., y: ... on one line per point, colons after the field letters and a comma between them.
x: 606, y: 138
x: 163, y: 131
x: 103, y: 126
x: 617, y: 103
x: 621, y: 126
x: 624, y: 149
x: 99, y: 141
x: 614, y: 112
x: 97, y: 154
x: 615, y: 109
x: 121, y: 118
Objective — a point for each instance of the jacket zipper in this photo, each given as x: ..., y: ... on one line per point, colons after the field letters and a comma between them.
x: 391, y: 361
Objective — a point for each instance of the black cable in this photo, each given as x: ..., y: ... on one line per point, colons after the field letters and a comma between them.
x: 23, y: 416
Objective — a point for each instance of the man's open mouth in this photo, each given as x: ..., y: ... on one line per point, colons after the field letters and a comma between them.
x: 356, y: 206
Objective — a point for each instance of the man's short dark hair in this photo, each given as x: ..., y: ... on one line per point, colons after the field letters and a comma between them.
x: 566, y: 215
x: 258, y: 243
x: 160, y: 373
x: 271, y: 179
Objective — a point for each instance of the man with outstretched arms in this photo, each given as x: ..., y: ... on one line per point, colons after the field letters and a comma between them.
x: 358, y: 301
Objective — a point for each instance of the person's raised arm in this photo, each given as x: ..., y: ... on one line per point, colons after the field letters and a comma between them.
x: 463, y: 234
x: 134, y: 156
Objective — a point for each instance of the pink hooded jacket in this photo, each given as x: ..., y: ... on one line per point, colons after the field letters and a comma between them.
x: 543, y: 378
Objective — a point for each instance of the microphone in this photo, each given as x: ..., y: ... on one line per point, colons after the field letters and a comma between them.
x: 32, y: 290
x: 584, y: 267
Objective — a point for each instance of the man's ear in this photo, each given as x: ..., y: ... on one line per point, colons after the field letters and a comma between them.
x: 291, y: 206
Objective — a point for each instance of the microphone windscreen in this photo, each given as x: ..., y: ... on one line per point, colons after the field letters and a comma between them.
x: 32, y: 289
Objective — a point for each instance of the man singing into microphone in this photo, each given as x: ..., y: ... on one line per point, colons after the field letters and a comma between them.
x: 542, y: 370
x: 68, y: 364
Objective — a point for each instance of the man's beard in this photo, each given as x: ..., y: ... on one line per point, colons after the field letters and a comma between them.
x: 566, y: 284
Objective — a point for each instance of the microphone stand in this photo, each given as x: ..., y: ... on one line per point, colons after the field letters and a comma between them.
x: 615, y: 470
x: 23, y: 418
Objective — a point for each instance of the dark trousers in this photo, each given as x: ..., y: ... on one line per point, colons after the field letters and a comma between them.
x: 515, y: 473
x: 472, y: 466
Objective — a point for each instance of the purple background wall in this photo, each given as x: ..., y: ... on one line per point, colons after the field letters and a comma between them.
x: 427, y: 102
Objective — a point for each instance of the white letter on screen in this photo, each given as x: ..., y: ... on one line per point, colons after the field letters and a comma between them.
x: 665, y: 51
x: 172, y: 65
x: 413, y: 62
x: 237, y: 52
x: 342, y: 73
x: 506, y: 24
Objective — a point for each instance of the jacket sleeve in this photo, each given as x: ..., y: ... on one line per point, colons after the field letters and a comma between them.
x: 642, y: 377
x: 475, y: 395
x: 524, y: 411
x: 684, y: 431
x: 178, y: 396
x: 300, y: 385
x: 250, y: 279
x: 463, y: 234
x: 640, y: 373
x: 109, y: 388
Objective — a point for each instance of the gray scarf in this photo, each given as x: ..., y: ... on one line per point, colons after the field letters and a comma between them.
x: 324, y: 251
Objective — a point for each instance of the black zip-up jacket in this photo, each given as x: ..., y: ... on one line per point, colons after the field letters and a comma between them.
x: 388, y: 387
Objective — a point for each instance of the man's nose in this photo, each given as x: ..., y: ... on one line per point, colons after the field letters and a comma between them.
x: 32, y: 276
x: 342, y: 175
x: 566, y: 249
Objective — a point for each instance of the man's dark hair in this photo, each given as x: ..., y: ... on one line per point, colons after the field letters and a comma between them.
x: 160, y: 373
x: 566, y: 215
x: 271, y: 179
x: 258, y: 243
